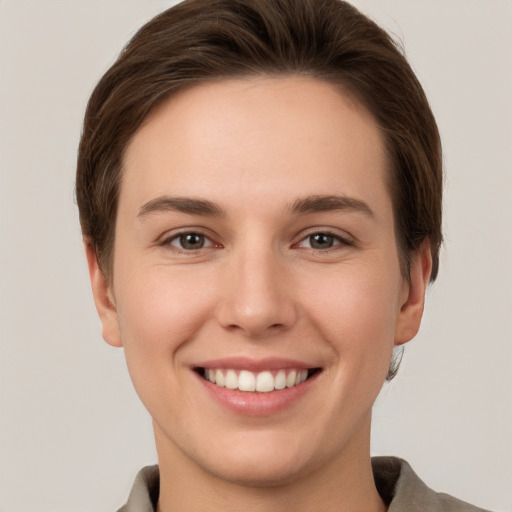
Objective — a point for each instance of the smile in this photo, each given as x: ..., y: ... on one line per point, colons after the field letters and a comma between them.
x: 256, y: 382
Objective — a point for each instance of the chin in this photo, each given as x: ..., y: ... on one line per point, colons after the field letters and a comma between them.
x: 255, y: 472
x: 262, y: 459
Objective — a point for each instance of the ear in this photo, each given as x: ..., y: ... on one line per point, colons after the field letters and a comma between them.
x: 413, y: 299
x: 103, y: 298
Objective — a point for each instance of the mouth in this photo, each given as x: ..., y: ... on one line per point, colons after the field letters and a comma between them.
x: 266, y: 381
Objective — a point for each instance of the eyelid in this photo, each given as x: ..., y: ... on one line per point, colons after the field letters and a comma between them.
x: 177, y: 238
x: 344, y: 238
x: 170, y: 236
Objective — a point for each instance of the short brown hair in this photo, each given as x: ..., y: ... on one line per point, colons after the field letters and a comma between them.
x: 201, y: 40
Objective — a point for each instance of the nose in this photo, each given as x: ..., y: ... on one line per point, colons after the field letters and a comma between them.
x: 258, y: 297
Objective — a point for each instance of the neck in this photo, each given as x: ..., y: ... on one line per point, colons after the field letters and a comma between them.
x: 343, y: 483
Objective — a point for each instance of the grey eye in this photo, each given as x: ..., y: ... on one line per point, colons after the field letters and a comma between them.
x: 191, y: 241
x: 321, y: 241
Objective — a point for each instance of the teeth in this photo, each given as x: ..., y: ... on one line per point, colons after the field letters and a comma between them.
x: 265, y: 382
x: 291, y: 378
x: 280, y: 380
x: 219, y: 378
x: 246, y: 381
x: 231, y: 379
x: 262, y: 382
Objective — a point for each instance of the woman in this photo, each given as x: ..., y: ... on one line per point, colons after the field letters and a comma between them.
x: 260, y: 186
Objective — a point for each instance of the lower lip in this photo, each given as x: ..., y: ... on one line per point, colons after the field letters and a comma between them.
x: 254, y: 403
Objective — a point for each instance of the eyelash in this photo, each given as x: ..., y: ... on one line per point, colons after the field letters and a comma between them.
x: 180, y: 238
x: 338, y: 242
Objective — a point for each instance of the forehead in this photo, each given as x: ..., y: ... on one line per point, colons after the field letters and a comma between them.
x: 262, y: 135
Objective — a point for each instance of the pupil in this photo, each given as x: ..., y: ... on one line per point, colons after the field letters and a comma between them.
x: 321, y: 241
x: 192, y: 241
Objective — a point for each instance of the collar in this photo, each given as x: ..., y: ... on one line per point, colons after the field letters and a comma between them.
x: 401, y: 489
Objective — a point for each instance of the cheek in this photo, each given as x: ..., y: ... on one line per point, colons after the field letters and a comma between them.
x: 159, y: 310
x: 357, y: 315
x: 158, y: 314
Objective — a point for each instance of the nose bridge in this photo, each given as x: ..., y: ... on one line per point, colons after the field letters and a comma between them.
x: 258, y: 295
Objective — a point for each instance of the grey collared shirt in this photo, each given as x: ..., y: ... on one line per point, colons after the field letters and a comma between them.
x: 399, y: 486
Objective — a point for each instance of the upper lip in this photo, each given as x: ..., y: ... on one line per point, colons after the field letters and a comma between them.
x: 255, y: 365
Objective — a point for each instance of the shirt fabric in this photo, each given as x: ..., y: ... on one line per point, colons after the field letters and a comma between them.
x: 401, y: 489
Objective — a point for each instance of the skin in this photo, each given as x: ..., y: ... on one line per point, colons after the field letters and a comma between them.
x: 260, y: 287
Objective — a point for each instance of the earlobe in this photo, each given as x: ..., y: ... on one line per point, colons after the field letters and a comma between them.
x: 103, y: 298
x: 411, y: 310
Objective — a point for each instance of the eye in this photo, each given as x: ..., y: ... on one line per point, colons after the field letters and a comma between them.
x: 323, y: 241
x: 189, y: 241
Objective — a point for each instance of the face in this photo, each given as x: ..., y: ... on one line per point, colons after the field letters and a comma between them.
x: 256, y: 284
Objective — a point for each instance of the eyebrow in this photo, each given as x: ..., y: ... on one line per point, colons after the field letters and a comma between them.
x: 188, y: 205
x: 203, y: 207
x: 319, y: 203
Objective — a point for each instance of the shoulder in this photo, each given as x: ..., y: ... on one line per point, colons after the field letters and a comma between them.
x: 404, y: 491
x: 144, y: 494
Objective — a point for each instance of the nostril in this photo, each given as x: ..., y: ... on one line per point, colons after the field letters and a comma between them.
x: 255, y: 313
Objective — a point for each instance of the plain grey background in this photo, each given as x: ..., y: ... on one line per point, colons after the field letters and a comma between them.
x: 72, y: 431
